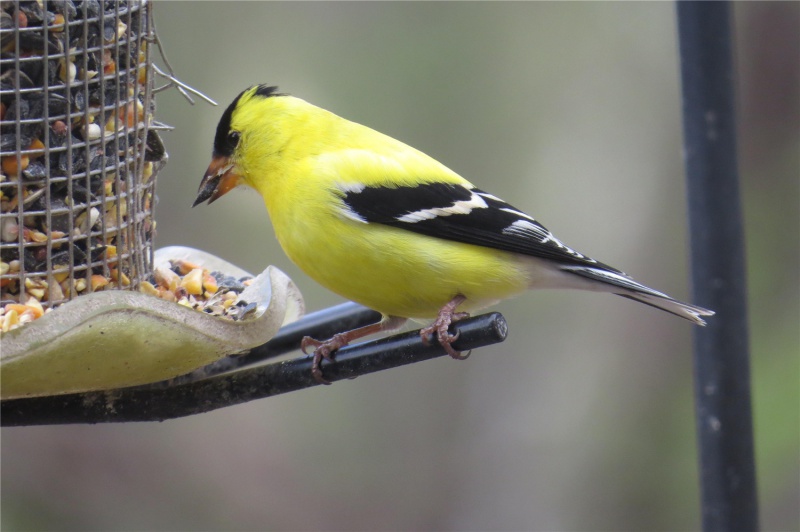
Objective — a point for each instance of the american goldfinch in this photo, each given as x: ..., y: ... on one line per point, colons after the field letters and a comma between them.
x: 381, y: 223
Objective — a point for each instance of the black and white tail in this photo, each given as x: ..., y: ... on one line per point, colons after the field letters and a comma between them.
x: 630, y: 289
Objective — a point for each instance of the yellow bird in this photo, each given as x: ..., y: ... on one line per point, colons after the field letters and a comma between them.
x: 381, y: 223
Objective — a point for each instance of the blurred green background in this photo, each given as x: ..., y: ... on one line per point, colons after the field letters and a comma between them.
x: 583, y: 419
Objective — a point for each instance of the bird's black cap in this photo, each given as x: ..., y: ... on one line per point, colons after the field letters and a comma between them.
x: 223, y: 143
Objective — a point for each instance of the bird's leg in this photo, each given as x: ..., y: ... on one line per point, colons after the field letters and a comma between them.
x: 447, y: 315
x: 325, y: 349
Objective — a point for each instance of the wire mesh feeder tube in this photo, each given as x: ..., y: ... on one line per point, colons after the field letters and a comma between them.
x: 78, y: 157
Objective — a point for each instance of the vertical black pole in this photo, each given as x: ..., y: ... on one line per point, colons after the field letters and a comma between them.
x: 722, y: 372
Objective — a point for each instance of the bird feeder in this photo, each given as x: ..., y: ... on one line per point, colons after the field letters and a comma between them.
x: 79, y: 157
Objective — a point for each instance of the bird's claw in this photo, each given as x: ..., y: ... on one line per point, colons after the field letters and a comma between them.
x: 307, y: 342
x: 322, y: 350
x: 440, y: 328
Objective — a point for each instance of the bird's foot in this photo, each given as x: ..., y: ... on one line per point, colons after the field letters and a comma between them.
x: 440, y: 326
x: 325, y: 350
x: 322, y: 350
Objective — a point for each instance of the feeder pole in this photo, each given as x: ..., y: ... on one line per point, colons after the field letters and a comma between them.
x: 721, y: 350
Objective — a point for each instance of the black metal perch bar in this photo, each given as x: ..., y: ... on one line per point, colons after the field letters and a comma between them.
x: 158, y: 404
x: 722, y: 363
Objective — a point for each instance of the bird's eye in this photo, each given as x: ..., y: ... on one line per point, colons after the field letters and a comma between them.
x: 233, y: 138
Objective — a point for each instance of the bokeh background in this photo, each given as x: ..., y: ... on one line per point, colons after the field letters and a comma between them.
x: 582, y: 419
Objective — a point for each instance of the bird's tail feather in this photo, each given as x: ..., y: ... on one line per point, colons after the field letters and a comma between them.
x: 673, y: 306
x: 624, y: 286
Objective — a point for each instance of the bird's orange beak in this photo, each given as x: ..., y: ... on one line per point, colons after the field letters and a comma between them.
x: 218, y: 180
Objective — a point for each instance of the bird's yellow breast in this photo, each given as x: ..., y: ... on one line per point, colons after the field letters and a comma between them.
x: 391, y: 270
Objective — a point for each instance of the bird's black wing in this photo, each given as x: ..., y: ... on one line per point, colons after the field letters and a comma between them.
x: 455, y: 212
